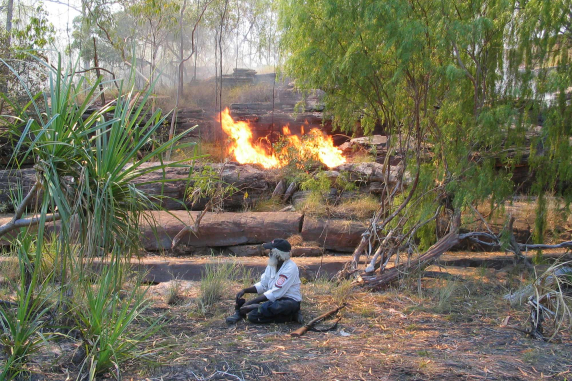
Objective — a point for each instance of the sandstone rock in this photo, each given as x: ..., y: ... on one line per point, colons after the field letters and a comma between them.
x: 219, y: 229
x: 306, y: 252
x: 335, y: 235
x: 370, y: 140
x: 247, y: 250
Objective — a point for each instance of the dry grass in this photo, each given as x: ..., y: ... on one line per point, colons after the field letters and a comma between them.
x: 268, y: 205
x: 363, y: 156
x: 208, y: 152
x: 359, y: 209
x: 354, y: 209
x: 394, y: 334
x: 314, y: 206
x: 173, y: 295
x: 296, y: 240
x: 9, y: 270
x: 215, y: 280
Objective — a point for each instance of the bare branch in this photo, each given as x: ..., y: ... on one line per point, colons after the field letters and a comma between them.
x: 19, y: 222
x: 100, y: 68
x: 562, y: 245
x: 462, y: 64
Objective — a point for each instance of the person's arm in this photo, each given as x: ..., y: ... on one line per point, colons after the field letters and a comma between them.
x: 257, y: 300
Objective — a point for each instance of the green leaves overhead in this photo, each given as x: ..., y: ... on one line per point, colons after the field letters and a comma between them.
x: 464, y: 82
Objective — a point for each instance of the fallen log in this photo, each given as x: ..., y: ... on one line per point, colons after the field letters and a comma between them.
x: 279, y: 190
x: 290, y: 191
x: 217, y: 229
x: 335, y: 235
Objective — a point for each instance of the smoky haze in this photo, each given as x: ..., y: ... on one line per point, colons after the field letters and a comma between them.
x: 210, y: 38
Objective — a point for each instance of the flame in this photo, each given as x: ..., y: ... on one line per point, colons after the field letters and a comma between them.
x: 317, y: 145
x: 241, y: 145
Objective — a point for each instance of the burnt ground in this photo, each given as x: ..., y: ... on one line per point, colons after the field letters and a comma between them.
x: 424, y: 328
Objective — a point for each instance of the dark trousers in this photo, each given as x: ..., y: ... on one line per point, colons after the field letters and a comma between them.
x: 280, y: 311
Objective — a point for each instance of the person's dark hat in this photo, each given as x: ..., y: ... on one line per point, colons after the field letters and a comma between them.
x: 280, y: 244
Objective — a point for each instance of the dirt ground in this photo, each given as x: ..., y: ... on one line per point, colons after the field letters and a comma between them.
x: 424, y: 328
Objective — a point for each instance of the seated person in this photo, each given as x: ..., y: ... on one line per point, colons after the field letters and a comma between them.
x: 279, y: 296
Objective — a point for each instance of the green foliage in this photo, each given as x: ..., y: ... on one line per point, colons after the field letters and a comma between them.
x: 33, y: 33
x: 105, y: 319
x: 208, y: 183
x: 23, y: 334
x: 85, y: 168
x: 297, y: 160
x: 318, y: 185
x: 426, y: 236
x: 449, y: 78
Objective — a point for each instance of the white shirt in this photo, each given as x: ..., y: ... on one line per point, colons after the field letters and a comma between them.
x: 282, y: 284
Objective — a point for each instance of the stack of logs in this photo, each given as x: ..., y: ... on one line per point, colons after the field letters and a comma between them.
x: 230, y: 228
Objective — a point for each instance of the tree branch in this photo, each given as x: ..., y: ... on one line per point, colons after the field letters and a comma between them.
x: 19, y: 222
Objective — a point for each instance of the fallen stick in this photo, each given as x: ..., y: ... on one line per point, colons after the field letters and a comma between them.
x: 302, y: 330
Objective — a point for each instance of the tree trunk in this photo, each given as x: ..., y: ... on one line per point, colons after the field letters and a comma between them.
x: 9, y: 16
x: 98, y: 72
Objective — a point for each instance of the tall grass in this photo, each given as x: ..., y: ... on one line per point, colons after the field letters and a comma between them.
x: 214, y: 282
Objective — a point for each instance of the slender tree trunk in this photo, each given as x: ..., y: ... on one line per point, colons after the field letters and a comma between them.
x: 97, y: 71
x: 237, y: 29
x: 4, y: 72
x: 181, y: 53
x: 222, y: 20
x: 9, y: 15
x: 216, y: 67
x: 195, y: 69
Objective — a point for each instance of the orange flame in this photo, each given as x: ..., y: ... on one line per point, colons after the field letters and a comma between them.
x: 241, y: 145
x: 318, y: 145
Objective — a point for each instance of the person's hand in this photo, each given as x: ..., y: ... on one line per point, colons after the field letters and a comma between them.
x: 240, y: 294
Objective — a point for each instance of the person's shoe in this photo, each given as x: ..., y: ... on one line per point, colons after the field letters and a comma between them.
x: 299, y: 318
x: 233, y: 319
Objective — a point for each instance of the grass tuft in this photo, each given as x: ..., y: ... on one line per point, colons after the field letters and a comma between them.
x: 214, y: 282
x: 173, y: 296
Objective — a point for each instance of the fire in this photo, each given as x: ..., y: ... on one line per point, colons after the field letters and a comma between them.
x: 317, y: 145
x: 241, y: 145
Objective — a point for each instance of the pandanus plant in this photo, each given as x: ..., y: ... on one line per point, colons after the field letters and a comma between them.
x: 86, y: 160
